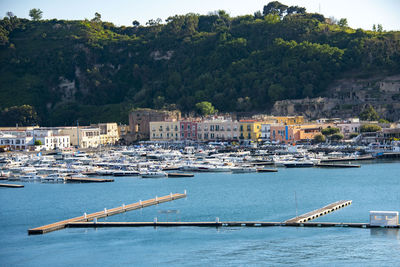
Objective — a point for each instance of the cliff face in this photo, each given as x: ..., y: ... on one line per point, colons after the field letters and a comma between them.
x: 347, y: 98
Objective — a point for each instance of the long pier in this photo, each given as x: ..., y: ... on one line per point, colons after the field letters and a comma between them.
x: 105, y: 213
x: 221, y: 224
x: 319, y: 212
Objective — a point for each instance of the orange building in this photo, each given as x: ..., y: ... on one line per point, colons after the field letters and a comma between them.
x: 294, y: 133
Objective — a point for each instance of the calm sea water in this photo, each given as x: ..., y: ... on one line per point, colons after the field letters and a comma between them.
x: 256, y: 196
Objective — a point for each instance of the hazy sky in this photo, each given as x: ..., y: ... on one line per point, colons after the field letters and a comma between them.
x: 359, y: 13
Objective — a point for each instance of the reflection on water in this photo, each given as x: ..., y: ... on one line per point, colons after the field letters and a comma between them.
x: 392, y: 233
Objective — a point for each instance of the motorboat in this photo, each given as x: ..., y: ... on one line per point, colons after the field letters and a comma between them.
x: 53, y: 178
x: 153, y: 174
x: 243, y: 169
x: 30, y: 177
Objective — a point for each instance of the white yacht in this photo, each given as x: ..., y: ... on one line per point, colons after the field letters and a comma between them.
x: 243, y: 169
x: 53, y: 178
x: 153, y: 174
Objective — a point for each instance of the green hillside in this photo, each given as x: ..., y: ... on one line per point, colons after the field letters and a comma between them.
x: 93, y: 71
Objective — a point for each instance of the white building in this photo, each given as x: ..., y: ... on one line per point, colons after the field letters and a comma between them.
x: 348, y: 127
x: 383, y: 218
x: 265, y: 131
x: 218, y: 129
x: 15, y: 141
x: 51, y: 138
x: 109, y: 133
x: 83, y: 136
x: 23, y: 138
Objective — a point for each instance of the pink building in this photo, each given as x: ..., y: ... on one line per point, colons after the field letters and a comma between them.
x: 188, y: 130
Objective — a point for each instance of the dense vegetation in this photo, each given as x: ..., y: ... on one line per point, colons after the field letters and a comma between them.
x: 93, y: 71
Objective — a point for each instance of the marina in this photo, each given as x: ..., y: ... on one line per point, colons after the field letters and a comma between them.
x: 251, y: 207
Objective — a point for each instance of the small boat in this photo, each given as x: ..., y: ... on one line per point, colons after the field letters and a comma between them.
x: 30, y: 177
x: 5, y: 174
x: 53, y: 178
x: 243, y: 169
x: 153, y: 174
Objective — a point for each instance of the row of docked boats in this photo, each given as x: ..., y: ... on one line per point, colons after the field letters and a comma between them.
x: 149, y: 161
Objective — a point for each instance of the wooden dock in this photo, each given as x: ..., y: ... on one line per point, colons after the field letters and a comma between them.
x: 221, y: 224
x: 106, y: 212
x: 319, y: 212
x: 12, y: 185
x: 336, y: 165
x: 87, y: 180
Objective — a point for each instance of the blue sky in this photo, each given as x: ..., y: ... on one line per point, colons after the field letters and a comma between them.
x: 359, y: 13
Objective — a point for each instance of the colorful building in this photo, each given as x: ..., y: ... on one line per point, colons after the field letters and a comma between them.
x: 294, y: 133
x: 139, y: 121
x: 250, y: 130
x: 188, y: 130
x: 289, y: 120
x: 218, y: 129
x: 165, y: 131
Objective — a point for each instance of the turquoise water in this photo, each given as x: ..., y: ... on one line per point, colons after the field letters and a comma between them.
x: 255, y: 196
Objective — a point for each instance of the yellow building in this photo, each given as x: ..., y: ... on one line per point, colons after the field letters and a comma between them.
x: 109, y: 134
x: 250, y: 130
x: 164, y: 131
x: 290, y: 120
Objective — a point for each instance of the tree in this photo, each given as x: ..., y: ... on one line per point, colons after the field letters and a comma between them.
x: 383, y: 121
x: 368, y: 128
x: 35, y: 14
x: 10, y: 14
x: 22, y: 115
x: 135, y: 23
x: 319, y: 138
x: 295, y: 10
x: 380, y: 28
x: 374, y: 28
x: 205, y: 108
x: 97, y: 17
x: 336, y: 136
x: 343, y: 23
x: 330, y: 131
x: 275, y: 8
x: 38, y: 143
x: 352, y: 135
x: 369, y: 114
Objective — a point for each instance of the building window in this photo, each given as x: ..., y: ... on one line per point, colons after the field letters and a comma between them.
x: 248, y: 127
